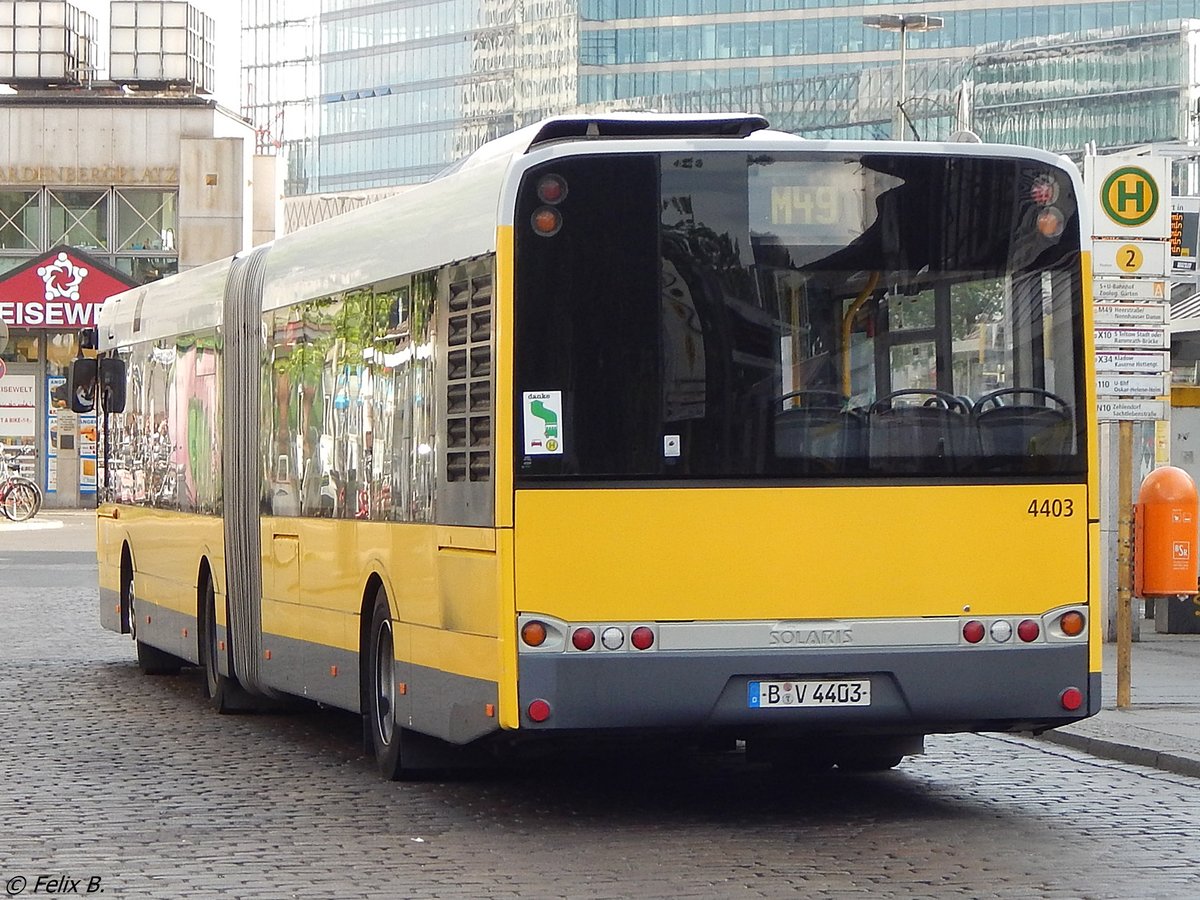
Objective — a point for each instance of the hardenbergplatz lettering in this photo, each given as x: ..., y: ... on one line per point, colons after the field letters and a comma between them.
x: 106, y: 175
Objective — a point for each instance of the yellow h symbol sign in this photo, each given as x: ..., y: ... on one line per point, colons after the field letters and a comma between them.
x: 1131, y: 190
x: 1129, y: 196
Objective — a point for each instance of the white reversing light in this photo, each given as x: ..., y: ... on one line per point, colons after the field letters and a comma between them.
x: 612, y: 638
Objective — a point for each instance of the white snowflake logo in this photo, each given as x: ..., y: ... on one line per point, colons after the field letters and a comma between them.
x: 62, y: 278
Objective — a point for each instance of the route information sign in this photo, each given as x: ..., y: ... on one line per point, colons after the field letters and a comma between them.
x: 1131, y: 313
x: 1128, y: 289
x: 1153, y: 363
x: 1133, y: 338
x: 1110, y: 410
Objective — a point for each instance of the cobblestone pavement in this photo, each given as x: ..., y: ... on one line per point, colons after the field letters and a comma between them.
x: 130, y: 785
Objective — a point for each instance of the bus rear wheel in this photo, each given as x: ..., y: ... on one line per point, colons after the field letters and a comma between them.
x: 870, y: 763
x: 379, y: 711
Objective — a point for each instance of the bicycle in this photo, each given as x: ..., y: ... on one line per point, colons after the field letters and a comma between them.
x: 20, y: 497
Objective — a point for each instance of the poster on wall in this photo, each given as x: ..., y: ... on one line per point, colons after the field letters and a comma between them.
x: 86, y: 441
x: 18, y: 414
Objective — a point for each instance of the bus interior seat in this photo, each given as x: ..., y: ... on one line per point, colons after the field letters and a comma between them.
x: 820, y: 429
x: 1024, y: 430
x: 936, y: 434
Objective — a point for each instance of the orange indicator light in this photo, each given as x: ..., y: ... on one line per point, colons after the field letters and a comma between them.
x: 1050, y: 222
x: 546, y: 221
x: 1072, y: 623
x: 533, y: 634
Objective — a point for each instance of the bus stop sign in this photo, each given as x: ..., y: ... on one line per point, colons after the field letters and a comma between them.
x: 1130, y: 194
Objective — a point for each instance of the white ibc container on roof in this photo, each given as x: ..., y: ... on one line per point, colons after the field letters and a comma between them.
x: 159, y: 43
x: 44, y: 42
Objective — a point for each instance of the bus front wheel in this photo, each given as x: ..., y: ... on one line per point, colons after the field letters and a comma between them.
x: 224, y: 692
x: 151, y: 660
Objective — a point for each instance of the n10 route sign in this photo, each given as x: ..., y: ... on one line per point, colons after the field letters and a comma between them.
x: 1130, y: 410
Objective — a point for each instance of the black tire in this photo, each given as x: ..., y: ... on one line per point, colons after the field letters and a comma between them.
x: 870, y: 763
x: 796, y: 758
x: 223, y: 691
x: 151, y: 660
x: 127, y: 598
x: 22, y: 500
x: 379, y: 686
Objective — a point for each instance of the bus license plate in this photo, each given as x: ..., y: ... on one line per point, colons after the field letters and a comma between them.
x: 809, y: 693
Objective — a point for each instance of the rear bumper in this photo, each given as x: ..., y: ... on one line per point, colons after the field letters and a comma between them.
x: 920, y: 690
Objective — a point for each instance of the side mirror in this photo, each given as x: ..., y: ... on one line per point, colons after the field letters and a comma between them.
x: 112, y: 384
x: 81, y: 385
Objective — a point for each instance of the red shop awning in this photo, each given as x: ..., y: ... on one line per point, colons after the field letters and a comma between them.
x: 59, y: 290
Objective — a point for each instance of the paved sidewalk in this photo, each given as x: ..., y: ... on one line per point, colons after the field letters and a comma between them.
x: 51, y: 529
x: 1161, y: 727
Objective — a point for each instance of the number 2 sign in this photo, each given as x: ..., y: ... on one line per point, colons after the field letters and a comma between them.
x: 1130, y: 258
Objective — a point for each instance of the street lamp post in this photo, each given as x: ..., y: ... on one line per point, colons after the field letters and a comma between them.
x: 903, y: 24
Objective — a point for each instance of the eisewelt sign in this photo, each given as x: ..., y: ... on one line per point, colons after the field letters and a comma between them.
x: 62, y: 289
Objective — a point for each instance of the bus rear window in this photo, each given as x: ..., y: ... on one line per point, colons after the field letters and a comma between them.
x: 724, y: 316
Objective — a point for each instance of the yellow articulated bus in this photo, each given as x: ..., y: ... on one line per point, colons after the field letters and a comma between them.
x: 628, y: 425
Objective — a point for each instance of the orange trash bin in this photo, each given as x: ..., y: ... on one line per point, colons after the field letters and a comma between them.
x: 1165, y: 535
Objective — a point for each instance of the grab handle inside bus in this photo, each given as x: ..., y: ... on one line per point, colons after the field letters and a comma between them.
x: 848, y: 322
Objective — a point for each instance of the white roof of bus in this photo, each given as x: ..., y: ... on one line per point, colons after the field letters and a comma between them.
x: 454, y: 217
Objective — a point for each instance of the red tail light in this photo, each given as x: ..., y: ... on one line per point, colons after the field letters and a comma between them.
x: 1071, y: 699
x: 583, y: 639
x: 1029, y: 630
x: 551, y: 189
x: 973, y: 632
x: 642, y: 638
x: 539, y: 710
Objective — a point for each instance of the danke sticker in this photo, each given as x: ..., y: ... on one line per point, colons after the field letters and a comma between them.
x: 543, y: 422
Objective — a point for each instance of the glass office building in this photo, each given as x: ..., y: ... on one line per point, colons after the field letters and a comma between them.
x: 280, y: 84
x: 647, y: 47
x: 1124, y: 89
x: 406, y: 88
